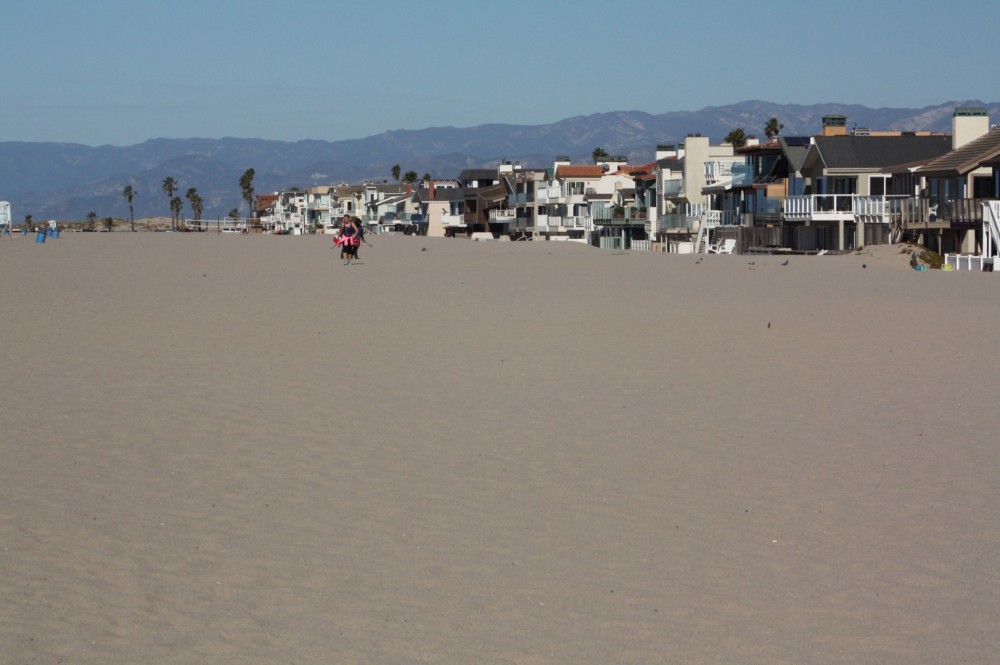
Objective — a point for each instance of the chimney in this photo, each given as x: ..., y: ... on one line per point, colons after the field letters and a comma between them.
x: 835, y: 125
x: 409, y: 188
x: 430, y: 188
x: 968, y: 123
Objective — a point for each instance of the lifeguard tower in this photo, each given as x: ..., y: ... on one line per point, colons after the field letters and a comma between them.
x: 4, y: 217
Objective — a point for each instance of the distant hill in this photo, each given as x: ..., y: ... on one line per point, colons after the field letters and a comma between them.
x: 66, y: 181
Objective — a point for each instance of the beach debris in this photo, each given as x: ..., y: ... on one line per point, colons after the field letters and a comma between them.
x: 768, y: 325
x: 864, y: 265
x: 423, y: 249
x: 785, y: 262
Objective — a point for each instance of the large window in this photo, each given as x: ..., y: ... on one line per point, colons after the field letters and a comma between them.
x: 982, y: 187
x: 877, y: 185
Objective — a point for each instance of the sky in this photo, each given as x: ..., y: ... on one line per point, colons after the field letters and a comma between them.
x: 120, y: 72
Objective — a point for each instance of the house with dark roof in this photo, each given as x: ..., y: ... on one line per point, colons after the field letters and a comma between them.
x: 840, y: 174
x: 945, y: 195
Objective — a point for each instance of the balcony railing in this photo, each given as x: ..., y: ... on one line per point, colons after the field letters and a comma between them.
x: 502, y: 216
x: 549, y: 194
x: 672, y: 222
x: 717, y: 170
x: 819, y: 207
x: 450, y: 219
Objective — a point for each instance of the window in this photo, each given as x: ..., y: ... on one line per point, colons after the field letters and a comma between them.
x: 876, y: 185
x: 982, y: 187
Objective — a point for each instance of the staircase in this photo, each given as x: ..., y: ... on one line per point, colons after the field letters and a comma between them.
x: 709, y: 220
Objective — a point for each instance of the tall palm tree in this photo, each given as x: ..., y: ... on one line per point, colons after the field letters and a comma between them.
x: 395, y: 172
x: 129, y: 194
x: 246, y: 187
x: 27, y: 221
x: 599, y: 154
x: 92, y: 219
x: 772, y: 129
x: 195, y: 201
x: 176, y: 206
x: 169, y: 187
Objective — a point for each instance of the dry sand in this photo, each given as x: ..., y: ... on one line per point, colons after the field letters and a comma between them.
x: 228, y: 449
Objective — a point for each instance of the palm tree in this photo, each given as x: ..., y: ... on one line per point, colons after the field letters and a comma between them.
x: 772, y: 129
x: 169, y: 187
x: 395, y: 172
x: 27, y: 221
x: 410, y: 177
x: 197, y: 206
x: 110, y: 223
x: 129, y: 194
x: 427, y: 177
x: 737, y: 137
x: 246, y: 186
x: 176, y: 206
x: 599, y: 154
x: 91, y: 219
x: 234, y: 214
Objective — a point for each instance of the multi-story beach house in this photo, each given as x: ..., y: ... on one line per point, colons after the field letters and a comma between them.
x: 943, y: 200
x: 823, y: 192
x: 685, y: 176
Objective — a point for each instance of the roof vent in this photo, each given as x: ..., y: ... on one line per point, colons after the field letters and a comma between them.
x: 862, y: 131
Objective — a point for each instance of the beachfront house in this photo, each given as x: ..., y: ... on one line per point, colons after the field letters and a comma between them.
x: 682, y: 175
x: 844, y: 203
x: 947, y: 213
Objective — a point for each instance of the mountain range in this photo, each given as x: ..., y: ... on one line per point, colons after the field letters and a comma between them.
x: 66, y: 181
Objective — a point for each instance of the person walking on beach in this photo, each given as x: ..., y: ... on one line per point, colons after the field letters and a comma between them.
x: 348, y: 239
x: 361, y: 236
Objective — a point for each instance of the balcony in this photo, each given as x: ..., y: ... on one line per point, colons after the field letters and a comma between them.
x: 820, y: 208
x: 549, y: 194
x: 502, y: 216
x: 715, y: 171
x: 451, y: 219
x: 672, y: 222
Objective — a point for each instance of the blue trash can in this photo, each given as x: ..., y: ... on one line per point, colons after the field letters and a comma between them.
x: 24, y: 232
x: 55, y: 234
x: 40, y: 237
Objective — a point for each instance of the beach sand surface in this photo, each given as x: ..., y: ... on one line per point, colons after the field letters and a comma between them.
x: 232, y: 449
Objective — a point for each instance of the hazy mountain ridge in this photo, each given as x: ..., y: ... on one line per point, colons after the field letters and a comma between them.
x: 66, y: 181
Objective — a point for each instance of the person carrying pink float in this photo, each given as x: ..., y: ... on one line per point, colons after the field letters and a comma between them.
x: 348, y: 238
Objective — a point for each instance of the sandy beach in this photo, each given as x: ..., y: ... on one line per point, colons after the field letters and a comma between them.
x: 232, y: 449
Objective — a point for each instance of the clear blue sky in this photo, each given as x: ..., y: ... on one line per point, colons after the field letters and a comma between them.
x: 122, y: 71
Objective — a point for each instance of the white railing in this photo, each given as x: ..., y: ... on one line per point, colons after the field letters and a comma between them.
x: 548, y: 194
x: 641, y: 246
x: 715, y: 171
x: 502, y: 216
x: 991, y: 228
x: 578, y: 222
x: 970, y: 261
x: 448, y: 219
